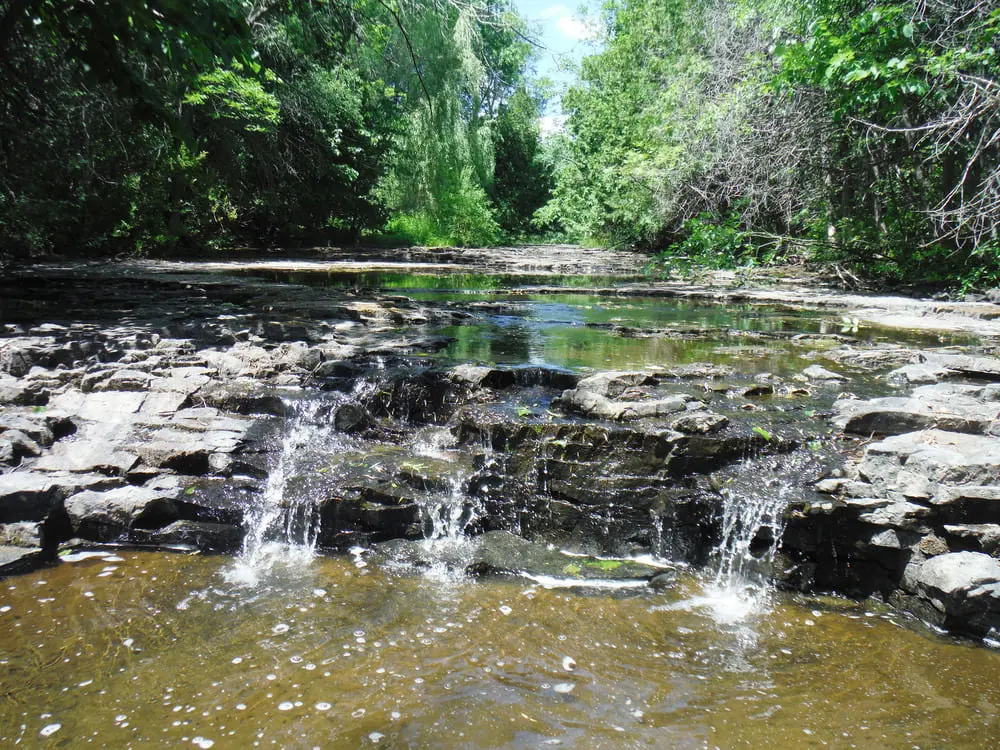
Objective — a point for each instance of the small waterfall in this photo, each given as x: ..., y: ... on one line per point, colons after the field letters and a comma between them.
x: 753, y: 504
x: 283, y: 528
x: 447, y: 515
x: 752, y: 522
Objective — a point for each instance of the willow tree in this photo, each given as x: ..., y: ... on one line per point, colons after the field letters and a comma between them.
x: 455, y: 65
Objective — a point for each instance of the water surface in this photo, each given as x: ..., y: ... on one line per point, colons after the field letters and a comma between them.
x: 146, y: 649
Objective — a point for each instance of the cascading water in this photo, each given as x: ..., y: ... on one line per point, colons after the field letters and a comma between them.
x: 447, y: 513
x: 283, y: 528
x: 753, y: 504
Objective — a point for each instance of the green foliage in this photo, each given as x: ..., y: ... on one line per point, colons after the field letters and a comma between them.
x: 709, y: 242
x: 144, y: 127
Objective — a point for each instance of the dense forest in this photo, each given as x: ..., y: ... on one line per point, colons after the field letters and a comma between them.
x: 708, y: 132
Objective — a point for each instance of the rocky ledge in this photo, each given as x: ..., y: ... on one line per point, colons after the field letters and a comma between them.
x: 915, y: 517
x: 162, y: 412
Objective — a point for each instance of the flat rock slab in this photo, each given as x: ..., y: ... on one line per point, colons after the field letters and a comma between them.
x: 957, y: 582
x: 939, y: 456
x: 895, y: 415
x: 18, y: 559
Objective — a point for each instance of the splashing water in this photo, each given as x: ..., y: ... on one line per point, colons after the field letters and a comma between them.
x: 283, y: 528
x: 752, y: 524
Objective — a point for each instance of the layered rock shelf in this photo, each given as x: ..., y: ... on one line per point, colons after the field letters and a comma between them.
x: 158, y: 414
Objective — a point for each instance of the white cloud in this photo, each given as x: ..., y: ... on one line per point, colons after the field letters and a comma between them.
x: 576, y: 29
x: 569, y: 25
x: 554, y: 11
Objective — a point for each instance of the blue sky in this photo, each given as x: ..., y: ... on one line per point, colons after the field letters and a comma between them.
x: 566, y: 36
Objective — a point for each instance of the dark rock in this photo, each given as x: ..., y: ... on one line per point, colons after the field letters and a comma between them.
x: 106, y: 516
x: 352, y: 418
x: 241, y: 397
x: 15, y: 560
x: 206, y: 536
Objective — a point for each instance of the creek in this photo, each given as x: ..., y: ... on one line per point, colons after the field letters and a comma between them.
x: 478, y: 593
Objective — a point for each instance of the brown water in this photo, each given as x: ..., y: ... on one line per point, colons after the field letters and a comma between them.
x: 148, y: 649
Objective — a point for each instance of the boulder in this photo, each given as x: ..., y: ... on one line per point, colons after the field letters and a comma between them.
x: 964, y: 586
x: 204, y: 535
x: 817, y: 372
x: 896, y: 415
x: 107, y: 516
x: 592, y: 404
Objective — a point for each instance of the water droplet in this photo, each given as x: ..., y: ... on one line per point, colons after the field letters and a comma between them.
x: 323, y: 706
x: 286, y: 706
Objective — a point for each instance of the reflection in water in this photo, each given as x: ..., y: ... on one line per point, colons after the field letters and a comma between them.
x: 150, y: 649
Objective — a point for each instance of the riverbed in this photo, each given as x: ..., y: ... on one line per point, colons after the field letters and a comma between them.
x: 361, y: 604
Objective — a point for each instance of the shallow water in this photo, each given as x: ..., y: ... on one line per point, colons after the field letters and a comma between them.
x: 145, y: 649
x: 514, y: 323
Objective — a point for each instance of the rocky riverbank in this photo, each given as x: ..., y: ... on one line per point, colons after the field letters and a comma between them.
x: 150, y: 404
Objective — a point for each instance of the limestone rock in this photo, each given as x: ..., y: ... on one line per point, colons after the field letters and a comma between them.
x: 106, y: 516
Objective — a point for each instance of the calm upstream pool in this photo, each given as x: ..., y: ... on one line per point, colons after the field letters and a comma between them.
x: 145, y: 649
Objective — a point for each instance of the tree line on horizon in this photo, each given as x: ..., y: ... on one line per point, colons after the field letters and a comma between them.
x: 707, y: 132
x: 148, y: 125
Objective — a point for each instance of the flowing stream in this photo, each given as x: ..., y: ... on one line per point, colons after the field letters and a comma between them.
x: 293, y: 646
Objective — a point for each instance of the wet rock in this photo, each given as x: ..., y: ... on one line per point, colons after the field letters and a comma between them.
x: 15, y: 560
x: 817, y: 372
x: 481, y: 377
x: 351, y: 418
x: 107, y: 516
x: 963, y: 586
x: 500, y: 553
x: 477, y: 376
x: 423, y: 397
x: 204, y: 535
x: 244, y: 396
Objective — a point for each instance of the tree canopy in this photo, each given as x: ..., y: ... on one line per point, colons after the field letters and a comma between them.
x: 709, y: 131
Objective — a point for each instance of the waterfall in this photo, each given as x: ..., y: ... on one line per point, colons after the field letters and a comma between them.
x: 283, y: 527
x: 752, y: 522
